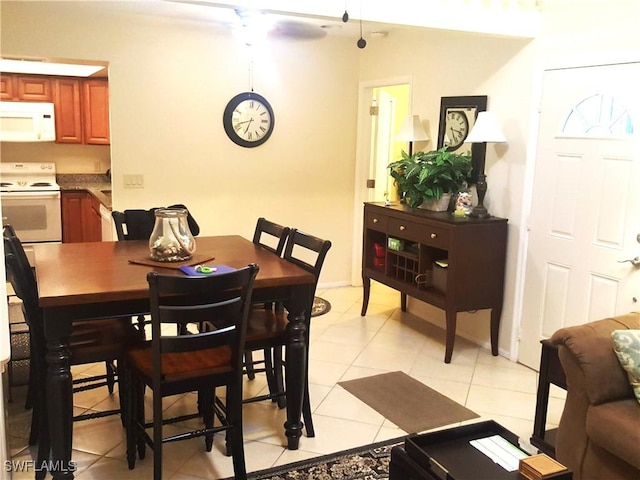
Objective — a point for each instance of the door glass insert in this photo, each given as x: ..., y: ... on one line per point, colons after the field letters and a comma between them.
x: 598, y: 115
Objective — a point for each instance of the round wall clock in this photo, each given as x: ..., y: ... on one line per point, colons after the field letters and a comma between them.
x: 248, y: 119
x: 457, y: 126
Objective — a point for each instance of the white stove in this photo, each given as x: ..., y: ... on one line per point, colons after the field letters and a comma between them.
x: 28, y: 177
x: 30, y: 199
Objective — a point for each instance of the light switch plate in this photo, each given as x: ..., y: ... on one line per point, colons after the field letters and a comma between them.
x: 133, y: 181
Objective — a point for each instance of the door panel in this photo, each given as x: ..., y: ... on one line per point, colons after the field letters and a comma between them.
x: 585, y: 212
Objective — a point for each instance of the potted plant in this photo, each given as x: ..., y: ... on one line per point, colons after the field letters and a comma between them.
x: 424, y: 177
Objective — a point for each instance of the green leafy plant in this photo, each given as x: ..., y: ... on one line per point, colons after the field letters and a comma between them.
x: 425, y: 176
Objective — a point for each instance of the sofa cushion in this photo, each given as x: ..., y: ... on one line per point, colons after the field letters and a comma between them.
x: 615, y: 427
x: 626, y: 344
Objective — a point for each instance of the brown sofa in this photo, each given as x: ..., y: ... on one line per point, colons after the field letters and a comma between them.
x: 599, y: 431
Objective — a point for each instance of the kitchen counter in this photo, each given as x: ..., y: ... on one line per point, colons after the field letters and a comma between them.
x: 95, y: 184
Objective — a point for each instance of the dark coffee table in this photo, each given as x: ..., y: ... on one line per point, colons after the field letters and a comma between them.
x: 448, y: 455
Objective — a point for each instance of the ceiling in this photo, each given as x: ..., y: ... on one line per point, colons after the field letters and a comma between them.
x: 315, y: 19
x: 311, y: 19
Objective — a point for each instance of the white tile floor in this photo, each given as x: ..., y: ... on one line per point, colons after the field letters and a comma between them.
x: 344, y: 345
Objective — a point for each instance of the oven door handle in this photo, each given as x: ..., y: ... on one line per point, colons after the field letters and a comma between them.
x: 30, y: 195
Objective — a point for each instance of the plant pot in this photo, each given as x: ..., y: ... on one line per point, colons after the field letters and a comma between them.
x: 441, y: 205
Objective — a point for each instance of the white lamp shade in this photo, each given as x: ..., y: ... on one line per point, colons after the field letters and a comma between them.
x: 486, y: 130
x: 411, y: 130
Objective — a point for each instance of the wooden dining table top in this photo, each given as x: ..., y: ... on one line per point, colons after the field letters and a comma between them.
x: 98, y: 272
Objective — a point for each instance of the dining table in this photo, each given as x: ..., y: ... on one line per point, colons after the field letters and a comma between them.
x: 95, y: 280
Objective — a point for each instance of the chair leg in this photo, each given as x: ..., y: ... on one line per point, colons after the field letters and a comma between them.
x: 33, y: 432
x: 111, y: 375
x: 248, y: 362
x: 207, y: 397
x: 123, y: 386
x: 270, y: 373
x: 140, y: 389
x: 130, y: 417
x: 44, y: 440
x: 306, y: 414
x: 278, y: 368
x: 235, y: 441
x: 157, y: 436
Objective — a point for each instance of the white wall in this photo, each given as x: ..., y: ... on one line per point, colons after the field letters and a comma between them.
x: 69, y: 158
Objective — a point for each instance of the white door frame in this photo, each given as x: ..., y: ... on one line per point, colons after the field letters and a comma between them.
x: 363, y: 153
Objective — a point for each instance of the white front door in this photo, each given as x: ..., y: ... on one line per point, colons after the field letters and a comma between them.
x: 585, y: 212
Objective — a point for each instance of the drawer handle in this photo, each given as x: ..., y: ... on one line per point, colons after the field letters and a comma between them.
x: 375, y: 220
x: 402, y: 227
x: 434, y: 235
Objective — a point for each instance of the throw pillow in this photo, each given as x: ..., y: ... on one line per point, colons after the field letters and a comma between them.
x: 626, y: 344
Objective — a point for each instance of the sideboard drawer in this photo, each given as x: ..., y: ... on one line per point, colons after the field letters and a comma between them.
x: 434, y: 236
x: 375, y: 221
x: 419, y: 232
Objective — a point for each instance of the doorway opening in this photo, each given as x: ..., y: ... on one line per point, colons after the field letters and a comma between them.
x: 382, y: 107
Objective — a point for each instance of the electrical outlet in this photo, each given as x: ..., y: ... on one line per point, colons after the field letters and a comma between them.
x: 133, y: 181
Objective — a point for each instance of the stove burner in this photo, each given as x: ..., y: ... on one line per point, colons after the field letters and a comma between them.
x: 41, y: 184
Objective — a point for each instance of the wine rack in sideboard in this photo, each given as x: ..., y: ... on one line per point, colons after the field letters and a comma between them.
x: 454, y: 263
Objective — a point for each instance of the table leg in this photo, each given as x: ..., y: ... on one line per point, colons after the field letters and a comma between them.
x: 60, y: 406
x: 296, y: 364
x: 366, y: 290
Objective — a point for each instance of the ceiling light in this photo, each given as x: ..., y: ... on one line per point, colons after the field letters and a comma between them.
x: 39, y: 67
x: 253, y: 26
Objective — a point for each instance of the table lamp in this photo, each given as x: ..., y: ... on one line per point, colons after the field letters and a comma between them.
x: 485, y: 130
x: 412, y: 131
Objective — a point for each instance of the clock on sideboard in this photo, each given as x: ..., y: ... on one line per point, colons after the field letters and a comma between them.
x: 457, y: 118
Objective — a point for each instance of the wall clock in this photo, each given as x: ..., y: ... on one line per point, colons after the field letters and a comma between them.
x: 457, y: 117
x: 248, y: 119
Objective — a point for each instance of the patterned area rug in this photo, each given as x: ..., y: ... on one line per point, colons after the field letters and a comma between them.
x: 320, y: 307
x: 370, y: 462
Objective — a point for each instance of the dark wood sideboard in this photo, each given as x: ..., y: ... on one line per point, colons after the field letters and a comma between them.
x: 475, y: 249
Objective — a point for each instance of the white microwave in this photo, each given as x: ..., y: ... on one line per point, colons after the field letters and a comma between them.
x: 27, y: 122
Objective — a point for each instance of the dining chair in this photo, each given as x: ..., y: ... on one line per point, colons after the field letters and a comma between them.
x: 137, y: 224
x: 266, y: 328
x: 272, y: 237
x: 175, y: 364
x: 92, y: 341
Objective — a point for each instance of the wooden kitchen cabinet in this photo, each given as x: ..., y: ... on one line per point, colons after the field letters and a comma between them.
x: 26, y: 88
x: 68, y: 110
x: 80, y: 219
x: 95, y: 104
x: 473, y: 248
x: 82, y: 111
x: 7, y: 87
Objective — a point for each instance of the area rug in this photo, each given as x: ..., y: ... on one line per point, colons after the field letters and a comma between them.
x: 408, y: 403
x: 370, y: 462
x: 320, y: 307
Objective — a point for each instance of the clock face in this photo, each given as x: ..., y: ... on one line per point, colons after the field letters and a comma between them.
x: 456, y: 127
x: 248, y: 119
